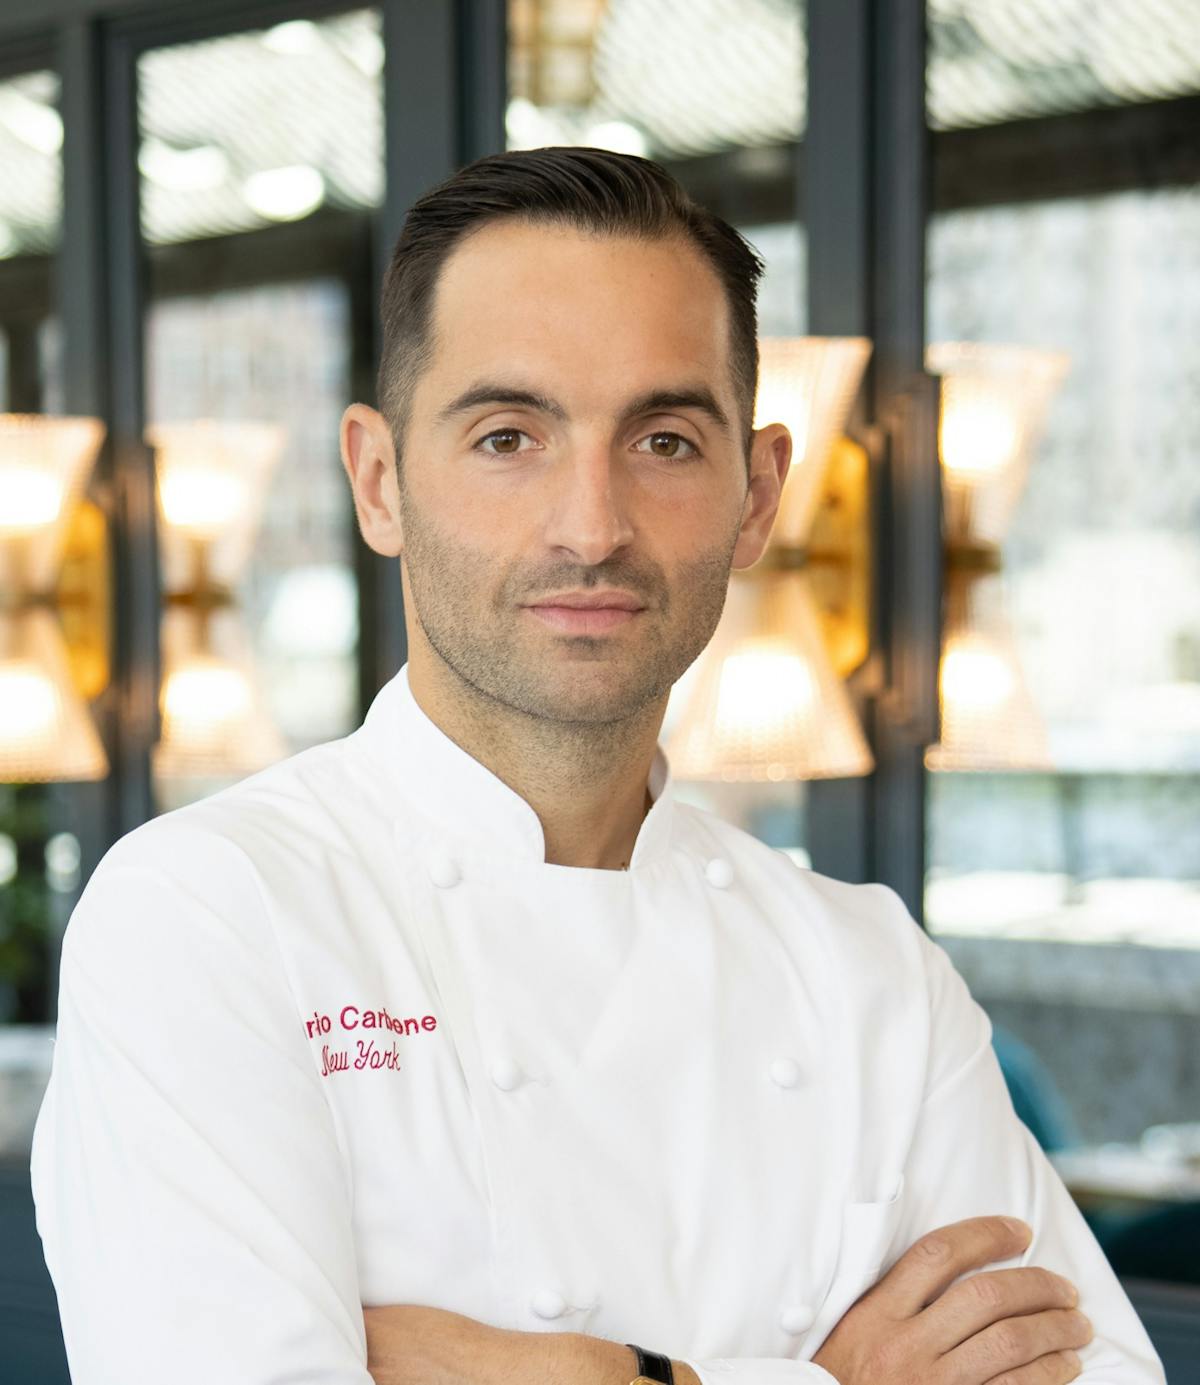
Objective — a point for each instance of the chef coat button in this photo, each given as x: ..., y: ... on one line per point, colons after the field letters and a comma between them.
x: 719, y: 872
x: 506, y: 1074
x: 548, y: 1304
x: 443, y: 871
x: 796, y: 1317
x: 785, y: 1072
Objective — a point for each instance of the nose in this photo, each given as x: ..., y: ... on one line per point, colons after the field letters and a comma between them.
x: 589, y: 512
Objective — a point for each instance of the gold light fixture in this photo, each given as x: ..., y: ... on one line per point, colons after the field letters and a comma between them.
x: 212, y: 481
x: 994, y: 402
x: 768, y: 701
x: 214, y: 721
x: 46, y: 731
x: 211, y: 484
x: 809, y: 384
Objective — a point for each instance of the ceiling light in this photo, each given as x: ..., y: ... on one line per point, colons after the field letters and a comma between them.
x: 292, y: 37
x: 285, y: 194
x: 33, y: 122
x: 198, y: 169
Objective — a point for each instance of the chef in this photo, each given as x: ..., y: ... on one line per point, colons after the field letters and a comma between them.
x: 460, y: 1048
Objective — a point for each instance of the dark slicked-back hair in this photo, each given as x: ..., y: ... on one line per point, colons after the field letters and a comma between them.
x: 592, y: 190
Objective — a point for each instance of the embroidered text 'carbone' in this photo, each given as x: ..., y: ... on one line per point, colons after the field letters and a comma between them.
x: 350, y: 1018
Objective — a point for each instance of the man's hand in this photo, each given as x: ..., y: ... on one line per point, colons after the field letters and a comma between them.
x: 408, y: 1344
x: 1018, y: 1323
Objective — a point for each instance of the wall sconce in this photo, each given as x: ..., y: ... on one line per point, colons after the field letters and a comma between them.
x: 768, y: 702
x: 211, y: 485
x: 53, y: 600
x: 994, y: 402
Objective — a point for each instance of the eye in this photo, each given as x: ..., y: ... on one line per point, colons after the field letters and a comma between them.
x: 518, y: 433
x: 669, y: 456
x: 501, y: 433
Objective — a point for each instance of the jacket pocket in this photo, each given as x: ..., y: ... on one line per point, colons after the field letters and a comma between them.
x: 867, y: 1232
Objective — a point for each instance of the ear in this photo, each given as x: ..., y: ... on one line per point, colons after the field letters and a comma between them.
x: 770, y: 460
x: 369, y: 456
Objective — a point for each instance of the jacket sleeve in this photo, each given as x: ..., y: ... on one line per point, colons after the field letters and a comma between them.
x: 759, y: 1370
x: 194, y: 1209
x: 971, y: 1156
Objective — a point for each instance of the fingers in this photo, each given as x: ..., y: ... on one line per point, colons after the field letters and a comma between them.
x: 934, y: 1261
x: 1013, y: 1343
x: 1055, y: 1369
x: 990, y: 1296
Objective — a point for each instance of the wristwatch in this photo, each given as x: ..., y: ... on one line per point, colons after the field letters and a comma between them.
x: 653, y: 1369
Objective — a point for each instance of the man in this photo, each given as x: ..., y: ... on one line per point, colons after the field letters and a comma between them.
x: 460, y: 1050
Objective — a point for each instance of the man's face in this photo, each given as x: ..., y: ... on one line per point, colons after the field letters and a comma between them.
x: 508, y: 503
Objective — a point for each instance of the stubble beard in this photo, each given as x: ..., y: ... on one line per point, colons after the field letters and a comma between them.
x: 600, y: 678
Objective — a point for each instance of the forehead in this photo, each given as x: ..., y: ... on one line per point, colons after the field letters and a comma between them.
x: 602, y: 310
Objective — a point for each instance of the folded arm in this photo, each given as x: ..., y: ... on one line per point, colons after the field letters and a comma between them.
x: 408, y: 1344
x: 411, y: 1345
x: 971, y: 1156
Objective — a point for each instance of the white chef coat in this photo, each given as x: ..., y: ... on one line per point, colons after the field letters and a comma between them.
x: 339, y: 1035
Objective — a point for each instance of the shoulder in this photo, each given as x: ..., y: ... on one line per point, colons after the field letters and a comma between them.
x: 882, y: 956
x: 200, y: 869
x: 871, y: 907
x: 287, y: 801
x: 890, y: 971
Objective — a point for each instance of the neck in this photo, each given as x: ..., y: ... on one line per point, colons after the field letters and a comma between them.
x: 588, y: 783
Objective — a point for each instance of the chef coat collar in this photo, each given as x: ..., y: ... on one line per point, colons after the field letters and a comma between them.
x: 473, y: 805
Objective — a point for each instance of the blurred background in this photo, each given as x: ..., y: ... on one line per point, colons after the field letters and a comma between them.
x: 969, y: 664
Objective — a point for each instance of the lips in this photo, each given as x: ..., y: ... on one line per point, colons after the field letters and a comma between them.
x: 593, y: 600
x: 583, y: 620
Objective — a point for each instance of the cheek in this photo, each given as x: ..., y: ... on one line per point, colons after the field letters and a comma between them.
x: 691, y: 520
x: 442, y: 520
x: 475, y: 508
x: 705, y: 494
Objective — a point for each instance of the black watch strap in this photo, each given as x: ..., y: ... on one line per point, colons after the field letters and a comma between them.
x: 653, y: 1366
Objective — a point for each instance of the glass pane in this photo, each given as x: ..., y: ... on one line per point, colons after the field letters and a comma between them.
x: 263, y: 127
x: 996, y: 60
x: 1063, y: 853
x: 1100, y: 572
x: 248, y: 369
x: 716, y: 93
x: 666, y: 81
x: 30, y: 143
x: 277, y: 353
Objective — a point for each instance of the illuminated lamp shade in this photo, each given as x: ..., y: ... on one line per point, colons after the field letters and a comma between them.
x: 214, y: 722
x: 809, y: 384
x: 46, y: 731
x: 212, y: 481
x: 766, y: 702
x: 993, y: 405
x: 988, y: 718
x: 44, y: 463
x: 994, y: 402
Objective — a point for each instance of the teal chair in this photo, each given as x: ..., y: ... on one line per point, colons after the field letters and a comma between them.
x: 1035, y: 1094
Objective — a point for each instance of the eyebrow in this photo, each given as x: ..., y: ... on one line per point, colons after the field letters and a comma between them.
x: 651, y: 402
